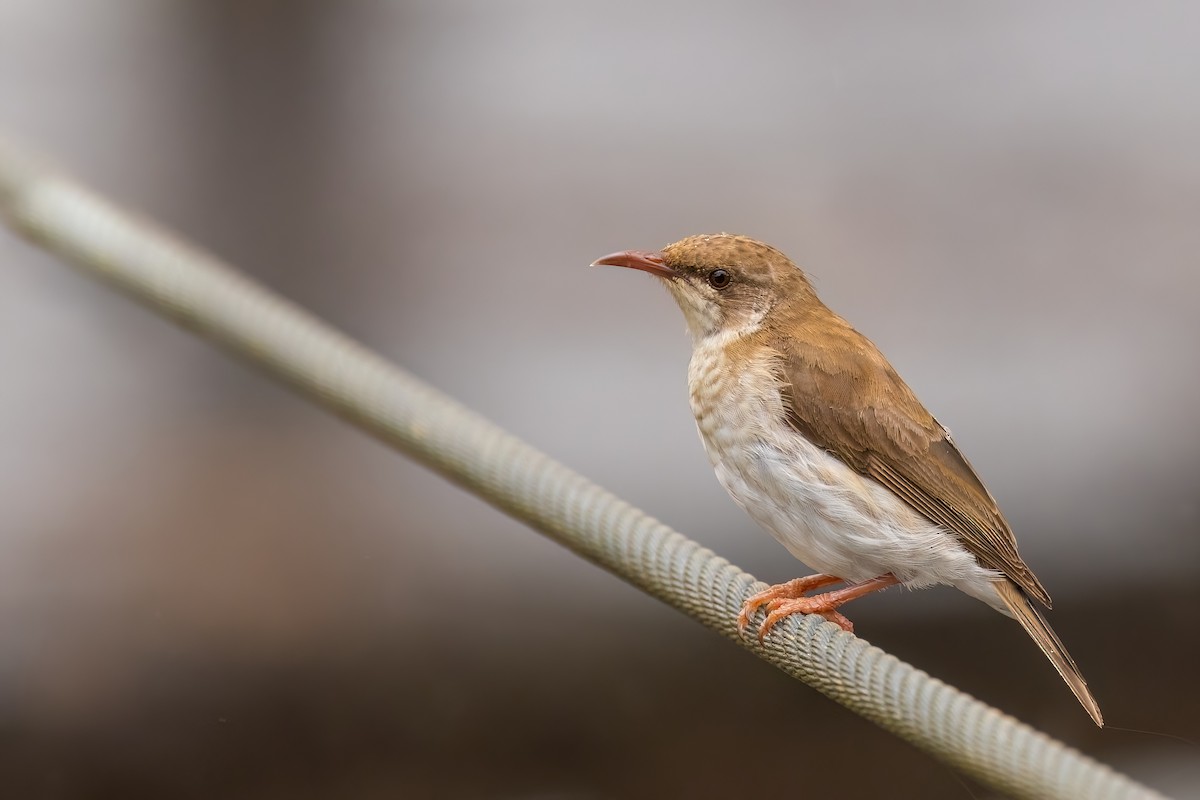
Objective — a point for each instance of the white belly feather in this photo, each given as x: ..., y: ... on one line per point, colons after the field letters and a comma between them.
x: 827, y: 515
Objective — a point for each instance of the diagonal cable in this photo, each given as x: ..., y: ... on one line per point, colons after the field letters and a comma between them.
x: 281, y: 339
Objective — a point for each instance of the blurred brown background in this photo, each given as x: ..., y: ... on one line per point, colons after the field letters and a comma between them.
x: 209, y: 588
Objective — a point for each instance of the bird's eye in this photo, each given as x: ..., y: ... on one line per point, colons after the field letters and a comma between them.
x: 719, y: 279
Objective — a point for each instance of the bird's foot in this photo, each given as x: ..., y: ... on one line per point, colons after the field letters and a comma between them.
x: 788, y: 598
x: 817, y: 604
x: 792, y: 590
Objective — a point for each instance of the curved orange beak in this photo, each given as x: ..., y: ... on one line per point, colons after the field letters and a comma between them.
x: 644, y: 260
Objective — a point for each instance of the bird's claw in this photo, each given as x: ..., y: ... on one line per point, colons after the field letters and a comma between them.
x: 789, y: 598
x: 778, y: 610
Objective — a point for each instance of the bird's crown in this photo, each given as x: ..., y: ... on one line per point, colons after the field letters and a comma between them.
x: 711, y: 250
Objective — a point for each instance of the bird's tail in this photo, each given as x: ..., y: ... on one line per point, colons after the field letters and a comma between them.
x: 1033, y: 623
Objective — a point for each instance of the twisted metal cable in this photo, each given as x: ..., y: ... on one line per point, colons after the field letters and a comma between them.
x: 283, y: 340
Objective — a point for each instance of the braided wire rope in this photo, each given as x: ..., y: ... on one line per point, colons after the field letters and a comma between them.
x: 211, y: 298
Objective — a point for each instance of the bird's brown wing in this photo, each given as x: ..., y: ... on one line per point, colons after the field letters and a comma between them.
x: 842, y: 395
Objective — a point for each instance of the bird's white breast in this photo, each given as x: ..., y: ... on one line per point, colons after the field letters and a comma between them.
x: 832, y: 518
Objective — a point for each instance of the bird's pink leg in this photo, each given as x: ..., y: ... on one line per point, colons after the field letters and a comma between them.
x: 826, y: 604
x: 782, y: 591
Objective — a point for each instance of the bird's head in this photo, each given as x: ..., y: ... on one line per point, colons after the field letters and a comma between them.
x: 725, y: 284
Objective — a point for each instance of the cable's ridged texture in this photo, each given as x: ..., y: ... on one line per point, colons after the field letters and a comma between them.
x: 286, y: 341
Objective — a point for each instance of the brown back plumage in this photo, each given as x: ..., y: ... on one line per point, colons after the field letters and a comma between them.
x: 843, y: 395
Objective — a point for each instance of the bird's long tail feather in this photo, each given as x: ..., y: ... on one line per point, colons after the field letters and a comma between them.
x: 1034, y: 624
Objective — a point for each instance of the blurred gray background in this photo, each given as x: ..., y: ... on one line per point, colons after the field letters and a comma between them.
x: 209, y: 588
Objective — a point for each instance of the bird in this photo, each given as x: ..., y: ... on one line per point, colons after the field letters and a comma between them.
x: 814, y: 434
